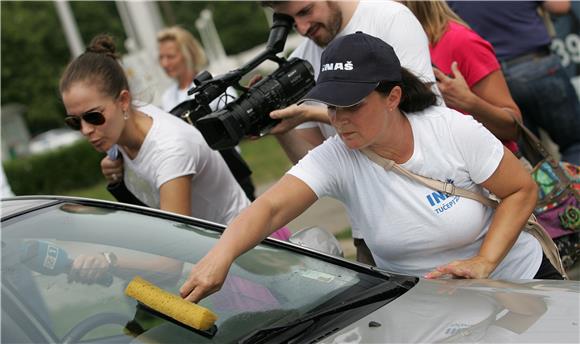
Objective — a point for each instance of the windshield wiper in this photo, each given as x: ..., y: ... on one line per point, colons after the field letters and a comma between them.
x: 380, y: 292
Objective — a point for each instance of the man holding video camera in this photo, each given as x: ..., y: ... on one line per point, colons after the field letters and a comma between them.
x: 306, y: 126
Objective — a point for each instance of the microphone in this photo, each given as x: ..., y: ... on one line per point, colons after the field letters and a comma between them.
x: 48, y: 259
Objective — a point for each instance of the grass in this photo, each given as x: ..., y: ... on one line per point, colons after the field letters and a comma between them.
x: 265, y: 157
x: 344, y: 234
x: 98, y: 191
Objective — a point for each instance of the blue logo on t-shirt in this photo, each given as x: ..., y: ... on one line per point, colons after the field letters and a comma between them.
x: 440, y: 202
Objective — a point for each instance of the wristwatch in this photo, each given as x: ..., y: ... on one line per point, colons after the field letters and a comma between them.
x: 111, y: 259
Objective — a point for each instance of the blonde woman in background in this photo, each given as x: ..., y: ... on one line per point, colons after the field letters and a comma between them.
x: 182, y: 58
x: 467, y: 71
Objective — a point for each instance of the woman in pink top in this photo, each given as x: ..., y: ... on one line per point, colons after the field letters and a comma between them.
x: 467, y: 71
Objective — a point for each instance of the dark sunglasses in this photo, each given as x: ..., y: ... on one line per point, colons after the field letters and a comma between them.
x: 92, y: 117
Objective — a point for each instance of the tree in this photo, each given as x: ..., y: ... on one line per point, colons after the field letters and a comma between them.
x: 35, y: 52
x: 96, y: 17
x: 241, y: 24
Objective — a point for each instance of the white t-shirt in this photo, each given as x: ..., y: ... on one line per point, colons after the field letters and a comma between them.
x: 172, y: 149
x: 393, y: 23
x: 174, y: 96
x: 409, y: 227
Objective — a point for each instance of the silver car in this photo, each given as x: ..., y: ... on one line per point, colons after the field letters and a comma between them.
x: 278, y: 292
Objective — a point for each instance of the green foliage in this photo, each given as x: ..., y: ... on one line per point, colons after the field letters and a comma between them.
x: 54, y: 172
x: 96, y: 17
x: 34, y: 51
x: 241, y: 24
x: 345, y: 234
x: 97, y: 191
x: 266, y: 159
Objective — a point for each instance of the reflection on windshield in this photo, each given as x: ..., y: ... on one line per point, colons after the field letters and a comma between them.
x: 266, y: 285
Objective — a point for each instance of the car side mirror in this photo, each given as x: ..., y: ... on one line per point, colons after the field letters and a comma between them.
x: 318, y: 239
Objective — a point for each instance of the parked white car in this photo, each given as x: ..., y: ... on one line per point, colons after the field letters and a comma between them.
x: 53, y: 139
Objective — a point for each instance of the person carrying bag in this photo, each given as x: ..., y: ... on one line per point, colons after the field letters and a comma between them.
x: 532, y: 226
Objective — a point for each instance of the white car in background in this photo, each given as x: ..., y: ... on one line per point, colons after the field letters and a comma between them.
x: 53, y: 139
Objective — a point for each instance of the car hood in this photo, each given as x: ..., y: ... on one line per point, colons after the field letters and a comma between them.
x: 538, y: 311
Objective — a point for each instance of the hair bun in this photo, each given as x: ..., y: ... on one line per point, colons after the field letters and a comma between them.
x: 103, y: 44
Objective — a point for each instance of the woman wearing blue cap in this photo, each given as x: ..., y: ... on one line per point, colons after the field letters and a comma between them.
x: 381, y: 111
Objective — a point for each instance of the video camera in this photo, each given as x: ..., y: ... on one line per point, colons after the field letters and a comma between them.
x: 249, y: 114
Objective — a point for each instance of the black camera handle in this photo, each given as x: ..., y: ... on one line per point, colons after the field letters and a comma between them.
x: 281, y: 25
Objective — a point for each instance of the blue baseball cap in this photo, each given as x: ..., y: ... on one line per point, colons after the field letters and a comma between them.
x: 351, y: 67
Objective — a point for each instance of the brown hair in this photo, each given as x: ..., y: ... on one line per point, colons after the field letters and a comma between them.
x: 99, y: 66
x: 270, y: 3
x: 417, y: 96
x: 433, y: 16
x: 189, y: 46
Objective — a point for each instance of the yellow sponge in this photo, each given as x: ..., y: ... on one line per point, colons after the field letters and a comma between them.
x: 171, y: 305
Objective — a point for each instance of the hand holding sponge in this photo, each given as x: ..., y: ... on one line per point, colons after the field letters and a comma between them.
x: 171, y: 305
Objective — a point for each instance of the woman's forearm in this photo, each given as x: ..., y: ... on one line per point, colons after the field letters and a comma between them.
x: 518, y: 193
x: 284, y: 201
x: 498, y: 120
x: 510, y: 217
x: 248, y: 229
x: 493, y: 106
x: 294, y: 145
x: 508, y: 221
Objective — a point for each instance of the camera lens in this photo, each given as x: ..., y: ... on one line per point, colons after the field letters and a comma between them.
x: 250, y: 113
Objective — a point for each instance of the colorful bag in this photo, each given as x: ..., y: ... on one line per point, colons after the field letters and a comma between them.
x: 558, y: 207
x: 558, y: 199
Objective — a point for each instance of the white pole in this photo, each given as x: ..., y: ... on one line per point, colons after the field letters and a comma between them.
x: 214, y: 49
x: 71, y: 31
x: 131, y: 43
x: 142, y: 21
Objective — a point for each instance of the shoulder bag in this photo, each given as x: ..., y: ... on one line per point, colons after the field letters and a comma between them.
x: 558, y: 207
x: 532, y: 226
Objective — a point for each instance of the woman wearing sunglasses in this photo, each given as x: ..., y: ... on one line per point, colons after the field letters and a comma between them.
x: 167, y: 163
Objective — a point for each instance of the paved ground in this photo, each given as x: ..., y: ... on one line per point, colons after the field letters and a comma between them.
x: 330, y: 214
x: 327, y: 213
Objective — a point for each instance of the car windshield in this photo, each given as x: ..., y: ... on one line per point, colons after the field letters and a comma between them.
x: 267, y: 285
